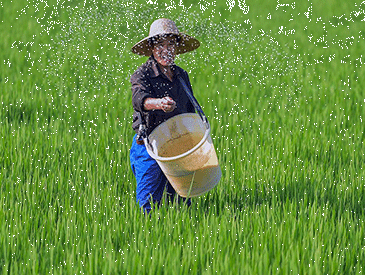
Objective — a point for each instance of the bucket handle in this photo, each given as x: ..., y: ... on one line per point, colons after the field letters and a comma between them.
x: 150, y: 148
x: 197, y: 108
x: 194, y: 102
x: 142, y: 135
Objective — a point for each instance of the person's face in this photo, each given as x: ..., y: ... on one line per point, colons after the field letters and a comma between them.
x: 164, y: 51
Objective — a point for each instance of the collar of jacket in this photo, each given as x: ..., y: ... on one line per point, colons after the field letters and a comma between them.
x: 156, y: 71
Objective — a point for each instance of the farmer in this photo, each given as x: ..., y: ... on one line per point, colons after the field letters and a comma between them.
x: 157, y: 95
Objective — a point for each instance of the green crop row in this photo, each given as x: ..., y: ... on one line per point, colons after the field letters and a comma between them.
x: 281, y: 84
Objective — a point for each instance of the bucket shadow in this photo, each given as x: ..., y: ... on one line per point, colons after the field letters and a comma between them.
x: 297, y: 193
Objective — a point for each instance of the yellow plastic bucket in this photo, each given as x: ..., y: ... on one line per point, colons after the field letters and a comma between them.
x: 183, y: 148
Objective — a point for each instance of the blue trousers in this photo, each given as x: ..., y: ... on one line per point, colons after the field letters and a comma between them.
x: 151, y: 181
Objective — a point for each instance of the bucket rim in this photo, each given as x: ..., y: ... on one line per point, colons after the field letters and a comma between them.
x: 166, y: 159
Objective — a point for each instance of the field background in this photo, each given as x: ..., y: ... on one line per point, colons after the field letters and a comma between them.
x: 281, y: 83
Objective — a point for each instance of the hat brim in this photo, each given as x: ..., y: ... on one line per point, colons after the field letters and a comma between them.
x: 187, y: 44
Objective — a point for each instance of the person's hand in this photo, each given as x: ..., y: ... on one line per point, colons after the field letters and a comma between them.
x: 167, y: 104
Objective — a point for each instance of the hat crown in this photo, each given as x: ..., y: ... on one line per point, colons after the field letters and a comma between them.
x: 163, y: 26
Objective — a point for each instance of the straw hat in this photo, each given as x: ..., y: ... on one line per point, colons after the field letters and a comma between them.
x: 165, y: 26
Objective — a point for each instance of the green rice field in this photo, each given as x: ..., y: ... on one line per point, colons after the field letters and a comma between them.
x: 282, y: 85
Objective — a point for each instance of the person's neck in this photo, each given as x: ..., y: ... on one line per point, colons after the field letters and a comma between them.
x: 166, y: 70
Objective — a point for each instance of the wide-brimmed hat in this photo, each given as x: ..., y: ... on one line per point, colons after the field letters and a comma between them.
x: 166, y: 27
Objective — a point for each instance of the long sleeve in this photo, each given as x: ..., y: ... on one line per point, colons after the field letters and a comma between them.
x: 140, y: 90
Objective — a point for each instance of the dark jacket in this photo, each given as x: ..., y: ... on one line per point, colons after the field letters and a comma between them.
x: 149, y: 81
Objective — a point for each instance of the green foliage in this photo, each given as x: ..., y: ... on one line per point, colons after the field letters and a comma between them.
x: 286, y: 110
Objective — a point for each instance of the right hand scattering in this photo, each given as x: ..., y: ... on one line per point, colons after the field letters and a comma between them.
x: 167, y: 104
